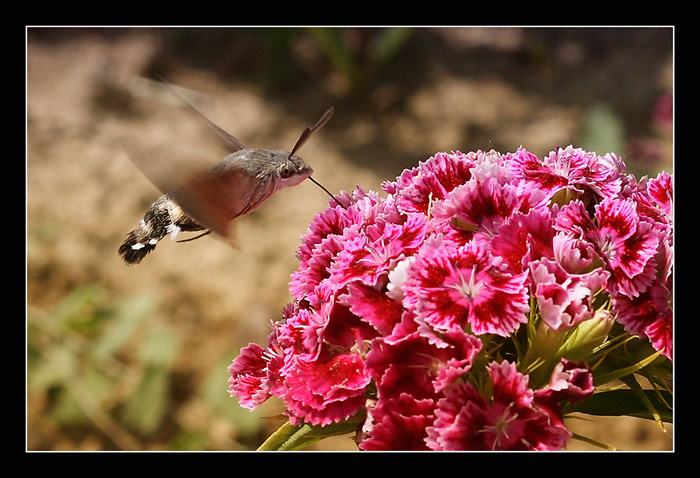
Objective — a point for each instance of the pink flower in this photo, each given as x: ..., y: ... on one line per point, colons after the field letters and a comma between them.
x: 408, y: 309
x: 652, y: 197
x: 372, y: 252
x: 649, y: 315
x: 373, y: 306
x: 430, y: 182
x: 325, y: 392
x: 570, y: 381
x: 482, y: 205
x: 527, y: 166
x: 565, y: 299
x: 575, y: 256
x: 411, y: 374
x: 569, y: 170
x: 508, y: 419
x: 660, y: 334
x: 327, y: 386
x: 249, y: 377
x: 325, y: 239
x: 458, y: 287
x: 524, y: 238
x: 661, y: 191
x: 626, y: 243
x: 256, y: 373
x: 419, y: 367
x: 312, y: 363
x: 398, y: 423
x: 587, y: 171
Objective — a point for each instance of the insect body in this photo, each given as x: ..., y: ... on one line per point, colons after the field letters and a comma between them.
x: 209, y: 200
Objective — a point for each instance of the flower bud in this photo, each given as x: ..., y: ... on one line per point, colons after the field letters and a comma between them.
x: 584, y: 339
x: 548, y: 346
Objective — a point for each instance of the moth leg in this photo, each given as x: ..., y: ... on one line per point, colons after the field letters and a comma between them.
x: 195, y: 237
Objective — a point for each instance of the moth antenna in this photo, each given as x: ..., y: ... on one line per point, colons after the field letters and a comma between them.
x: 327, y: 192
x: 306, y: 134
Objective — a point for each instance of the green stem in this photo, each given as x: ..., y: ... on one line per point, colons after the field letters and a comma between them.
x: 285, y: 437
x: 289, y: 437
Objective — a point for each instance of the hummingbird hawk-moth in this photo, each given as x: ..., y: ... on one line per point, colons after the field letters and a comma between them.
x: 209, y: 200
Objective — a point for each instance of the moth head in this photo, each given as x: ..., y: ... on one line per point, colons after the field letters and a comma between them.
x: 293, y: 170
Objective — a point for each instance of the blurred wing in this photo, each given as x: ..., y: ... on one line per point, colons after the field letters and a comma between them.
x: 232, y: 143
x: 211, y: 199
x: 214, y: 199
x: 167, y: 173
x: 161, y: 173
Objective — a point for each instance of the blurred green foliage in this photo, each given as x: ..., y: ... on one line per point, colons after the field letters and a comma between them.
x: 104, y: 366
x: 97, y: 362
x: 602, y: 130
x: 359, y: 54
x: 279, y: 56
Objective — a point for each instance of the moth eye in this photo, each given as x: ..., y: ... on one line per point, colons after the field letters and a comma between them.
x: 286, y: 171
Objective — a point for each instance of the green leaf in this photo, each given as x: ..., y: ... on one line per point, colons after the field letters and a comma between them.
x: 632, y: 383
x: 626, y: 402
x: 148, y: 404
x: 66, y: 409
x: 388, y: 43
x: 58, y: 365
x: 593, y: 442
x: 621, y: 372
x: 329, y: 40
x: 602, y: 129
x: 159, y: 347
x: 146, y: 408
x: 77, y: 304
x: 128, y: 315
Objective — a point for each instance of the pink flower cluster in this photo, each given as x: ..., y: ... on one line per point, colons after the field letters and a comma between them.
x: 400, y: 300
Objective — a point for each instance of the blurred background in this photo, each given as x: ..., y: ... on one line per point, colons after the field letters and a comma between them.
x: 135, y: 358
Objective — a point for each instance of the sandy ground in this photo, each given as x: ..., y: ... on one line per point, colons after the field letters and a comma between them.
x: 445, y: 90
